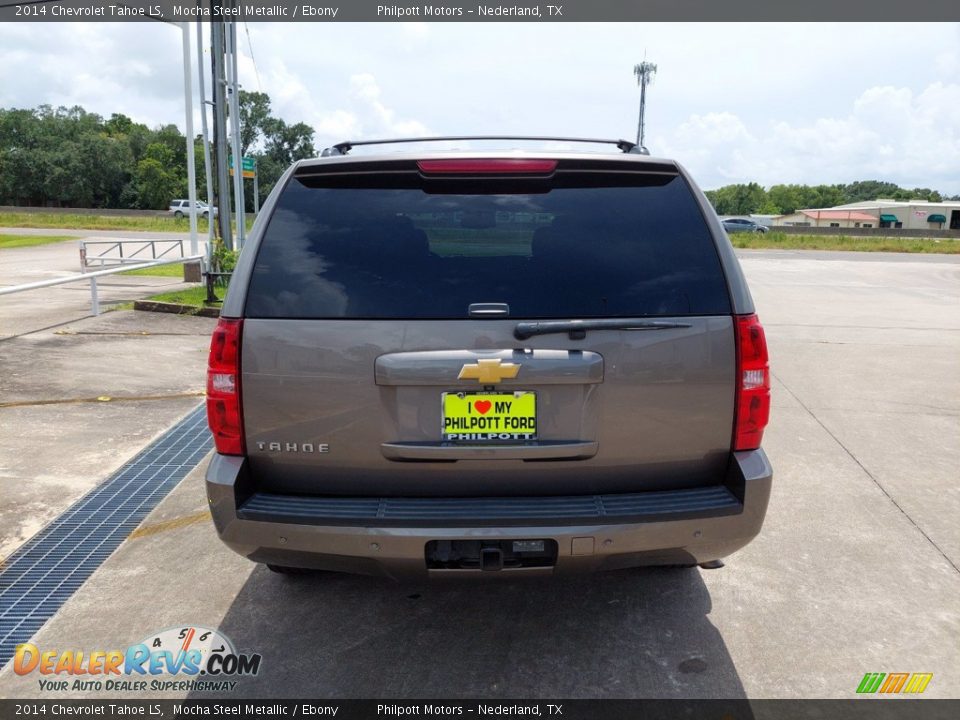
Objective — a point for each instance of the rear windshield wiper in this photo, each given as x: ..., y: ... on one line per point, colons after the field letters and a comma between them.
x: 578, y: 328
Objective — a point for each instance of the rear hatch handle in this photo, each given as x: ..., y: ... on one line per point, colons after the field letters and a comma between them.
x: 578, y: 328
x: 488, y: 310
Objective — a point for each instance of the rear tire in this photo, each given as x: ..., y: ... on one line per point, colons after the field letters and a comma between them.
x: 178, y: 214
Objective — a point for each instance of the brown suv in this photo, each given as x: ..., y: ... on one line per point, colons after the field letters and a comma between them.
x: 523, y: 362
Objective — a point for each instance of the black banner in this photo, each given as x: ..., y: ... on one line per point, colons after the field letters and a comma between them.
x: 854, y: 709
x: 405, y: 11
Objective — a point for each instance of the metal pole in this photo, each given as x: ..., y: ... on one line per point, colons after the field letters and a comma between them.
x: 94, y: 300
x: 235, y: 127
x: 640, y: 118
x: 206, y: 139
x: 220, y: 129
x: 191, y: 160
x: 643, y: 107
x: 644, y: 73
x: 256, y: 188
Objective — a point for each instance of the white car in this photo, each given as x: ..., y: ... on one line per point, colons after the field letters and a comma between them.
x: 181, y: 208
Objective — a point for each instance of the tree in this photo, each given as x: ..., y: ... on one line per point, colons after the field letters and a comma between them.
x: 738, y: 199
x: 285, y: 144
x: 270, y: 140
x: 118, y: 124
x: 254, y: 116
x: 157, y: 182
x: 786, y: 198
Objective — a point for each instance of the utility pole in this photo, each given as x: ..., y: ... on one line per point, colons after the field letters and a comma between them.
x: 256, y: 188
x: 206, y: 140
x: 644, y: 72
x: 240, y: 204
x: 220, y: 127
x: 191, y: 160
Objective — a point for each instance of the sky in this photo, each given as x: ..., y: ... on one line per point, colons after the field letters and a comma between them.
x: 771, y: 103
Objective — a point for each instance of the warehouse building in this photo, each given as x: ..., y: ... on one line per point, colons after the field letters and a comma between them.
x: 905, y: 214
x: 828, y: 218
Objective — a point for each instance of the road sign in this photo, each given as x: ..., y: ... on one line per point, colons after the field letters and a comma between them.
x: 249, y: 166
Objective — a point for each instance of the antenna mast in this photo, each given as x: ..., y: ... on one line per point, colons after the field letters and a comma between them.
x: 644, y: 73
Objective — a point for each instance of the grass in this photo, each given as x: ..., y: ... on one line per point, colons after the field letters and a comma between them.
x: 782, y: 241
x: 101, y: 222
x: 190, y: 296
x: 18, y: 241
x: 171, y: 270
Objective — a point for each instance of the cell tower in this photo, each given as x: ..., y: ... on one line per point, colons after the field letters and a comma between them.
x: 644, y: 72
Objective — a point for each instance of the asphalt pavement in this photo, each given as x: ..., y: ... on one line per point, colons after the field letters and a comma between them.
x: 855, y: 571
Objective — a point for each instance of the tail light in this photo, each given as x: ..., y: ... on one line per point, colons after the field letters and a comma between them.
x: 223, y: 388
x: 753, y: 383
x: 484, y: 166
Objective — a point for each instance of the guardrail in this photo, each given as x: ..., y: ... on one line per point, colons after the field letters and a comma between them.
x: 136, y: 251
x: 91, y: 277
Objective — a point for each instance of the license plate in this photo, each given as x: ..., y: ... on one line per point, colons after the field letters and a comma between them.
x: 489, y: 417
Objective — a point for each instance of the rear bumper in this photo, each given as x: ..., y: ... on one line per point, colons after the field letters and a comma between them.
x: 388, y: 536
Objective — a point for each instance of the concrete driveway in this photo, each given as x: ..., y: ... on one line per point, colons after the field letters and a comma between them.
x: 25, y: 312
x: 856, y: 569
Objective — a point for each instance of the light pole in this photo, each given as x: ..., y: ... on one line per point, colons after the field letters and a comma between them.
x: 191, y: 160
x: 234, y: 100
x: 188, y: 109
x: 206, y: 143
x: 644, y: 72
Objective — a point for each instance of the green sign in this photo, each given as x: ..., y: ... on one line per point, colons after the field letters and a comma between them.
x: 249, y: 166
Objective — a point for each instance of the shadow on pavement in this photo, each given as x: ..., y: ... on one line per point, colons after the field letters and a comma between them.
x: 625, y: 634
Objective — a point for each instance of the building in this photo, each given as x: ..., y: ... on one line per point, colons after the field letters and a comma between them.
x: 828, y: 218
x: 906, y: 214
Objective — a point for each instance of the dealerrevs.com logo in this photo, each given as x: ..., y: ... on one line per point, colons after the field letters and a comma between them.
x: 894, y: 683
x: 185, y: 658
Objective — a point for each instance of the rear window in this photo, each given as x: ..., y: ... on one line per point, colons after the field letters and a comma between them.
x: 584, y: 245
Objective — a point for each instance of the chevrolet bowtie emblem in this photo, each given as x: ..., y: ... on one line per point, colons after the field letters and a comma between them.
x: 489, y: 371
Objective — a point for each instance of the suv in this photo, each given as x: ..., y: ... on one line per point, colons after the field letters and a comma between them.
x: 732, y: 225
x: 179, y: 208
x: 518, y: 362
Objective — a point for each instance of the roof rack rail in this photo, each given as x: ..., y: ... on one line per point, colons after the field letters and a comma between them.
x: 345, y: 147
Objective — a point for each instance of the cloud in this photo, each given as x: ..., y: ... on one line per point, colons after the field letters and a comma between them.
x: 361, y: 110
x: 377, y: 118
x: 887, y: 133
x: 851, y: 110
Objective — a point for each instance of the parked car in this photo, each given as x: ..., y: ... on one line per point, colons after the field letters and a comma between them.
x: 732, y: 225
x: 435, y: 364
x: 181, y: 208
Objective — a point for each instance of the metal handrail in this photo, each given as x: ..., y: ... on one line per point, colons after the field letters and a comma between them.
x: 92, y: 278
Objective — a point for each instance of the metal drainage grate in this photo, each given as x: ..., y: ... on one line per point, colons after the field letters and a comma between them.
x: 42, y: 575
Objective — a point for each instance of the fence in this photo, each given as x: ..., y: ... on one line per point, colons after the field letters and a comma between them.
x: 107, y: 212
x: 866, y: 232
x: 126, y: 252
x: 91, y: 277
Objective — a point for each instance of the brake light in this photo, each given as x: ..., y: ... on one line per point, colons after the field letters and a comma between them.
x: 223, y: 388
x: 753, y: 383
x: 486, y: 166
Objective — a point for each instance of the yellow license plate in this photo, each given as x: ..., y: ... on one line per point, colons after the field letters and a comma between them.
x: 489, y: 417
